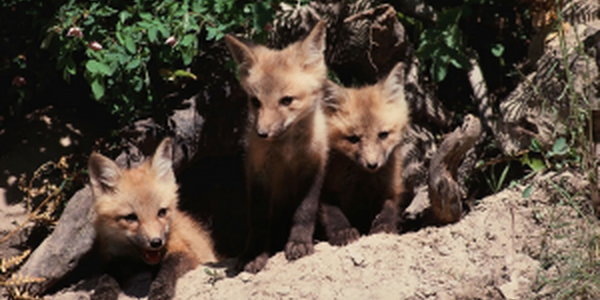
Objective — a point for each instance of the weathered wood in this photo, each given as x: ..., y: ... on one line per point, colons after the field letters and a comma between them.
x: 596, y: 140
x: 444, y: 191
x: 60, y: 252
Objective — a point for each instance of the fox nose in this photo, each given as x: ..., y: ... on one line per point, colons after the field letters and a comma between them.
x: 262, y: 133
x: 372, y: 166
x: 156, y: 242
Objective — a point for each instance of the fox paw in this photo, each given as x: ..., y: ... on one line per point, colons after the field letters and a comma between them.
x: 107, y: 289
x: 161, y: 291
x: 383, y: 225
x: 344, y: 237
x: 295, y: 250
x: 257, y: 264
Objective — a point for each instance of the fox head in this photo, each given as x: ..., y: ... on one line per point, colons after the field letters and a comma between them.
x: 284, y: 85
x: 134, y: 207
x: 366, y: 124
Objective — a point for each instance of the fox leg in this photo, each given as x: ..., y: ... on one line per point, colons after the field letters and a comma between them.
x: 387, y: 219
x: 255, y: 257
x: 337, y: 227
x: 300, y: 241
x: 173, y: 266
x: 107, y: 289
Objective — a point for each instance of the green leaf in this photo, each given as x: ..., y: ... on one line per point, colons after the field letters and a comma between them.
x: 89, y: 20
x: 497, y: 50
x: 211, y: 32
x: 502, y: 177
x: 439, y: 69
x: 459, y: 60
x: 129, y: 43
x: 163, y: 30
x: 146, y: 16
x: 527, y: 191
x: 153, y: 34
x: 104, y: 11
x: 536, y: 164
x: 138, y: 84
x: 188, y: 40
x: 70, y: 66
x: 453, y: 37
x: 124, y: 16
x: 560, y: 147
x: 198, y: 7
x: 96, y: 67
x: 426, y: 49
x: 184, y: 74
x: 133, y: 64
x: 97, y: 88
x: 536, y: 146
x: 187, y: 55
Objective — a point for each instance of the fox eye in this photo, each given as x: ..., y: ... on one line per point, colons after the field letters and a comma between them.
x: 130, y: 217
x: 383, y: 135
x: 255, y: 102
x: 286, y: 101
x: 353, y: 139
x: 162, y: 212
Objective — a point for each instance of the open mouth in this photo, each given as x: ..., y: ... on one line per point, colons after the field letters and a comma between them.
x: 152, y: 256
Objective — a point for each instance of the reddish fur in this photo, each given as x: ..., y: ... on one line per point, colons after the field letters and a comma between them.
x: 140, y: 192
x: 143, y: 191
x: 359, y: 192
x: 286, y: 166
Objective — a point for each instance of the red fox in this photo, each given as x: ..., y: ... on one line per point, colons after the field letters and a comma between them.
x: 363, y: 185
x: 137, y: 220
x: 286, y: 144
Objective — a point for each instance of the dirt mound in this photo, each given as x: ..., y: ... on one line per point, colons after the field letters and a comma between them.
x: 495, y: 252
x: 486, y: 255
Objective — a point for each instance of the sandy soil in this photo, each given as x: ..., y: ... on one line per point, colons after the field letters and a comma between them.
x: 494, y: 252
x: 486, y: 255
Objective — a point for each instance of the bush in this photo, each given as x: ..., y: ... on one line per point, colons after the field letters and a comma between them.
x: 131, y: 53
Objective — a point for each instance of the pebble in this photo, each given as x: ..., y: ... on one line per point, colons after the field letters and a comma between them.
x: 245, y: 277
x: 284, y: 290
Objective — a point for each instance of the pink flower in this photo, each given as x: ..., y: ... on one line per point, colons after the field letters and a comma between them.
x: 95, y: 46
x: 171, y: 41
x: 75, y: 32
x: 19, y: 81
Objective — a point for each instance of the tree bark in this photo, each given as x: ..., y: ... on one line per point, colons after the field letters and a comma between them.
x: 444, y: 191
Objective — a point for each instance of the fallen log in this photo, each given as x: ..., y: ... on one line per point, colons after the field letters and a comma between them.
x: 445, y: 192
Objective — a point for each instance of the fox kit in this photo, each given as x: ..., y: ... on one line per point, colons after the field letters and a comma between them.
x: 137, y: 221
x: 286, y: 144
x: 363, y: 185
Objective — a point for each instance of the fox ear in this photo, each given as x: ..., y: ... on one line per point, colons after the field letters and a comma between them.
x: 162, y: 161
x: 104, y: 173
x: 313, y: 45
x: 241, y: 52
x: 332, y: 97
x: 394, y: 83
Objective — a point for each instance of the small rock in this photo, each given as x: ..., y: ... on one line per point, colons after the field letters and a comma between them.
x: 443, y: 250
x: 510, y: 290
x: 284, y: 290
x: 245, y: 277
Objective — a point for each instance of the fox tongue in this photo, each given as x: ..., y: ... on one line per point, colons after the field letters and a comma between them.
x: 151, y: 256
